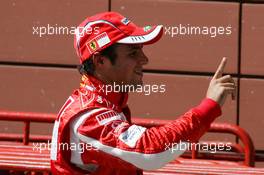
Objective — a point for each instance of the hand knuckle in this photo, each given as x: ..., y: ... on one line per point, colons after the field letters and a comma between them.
x: 213, y: 82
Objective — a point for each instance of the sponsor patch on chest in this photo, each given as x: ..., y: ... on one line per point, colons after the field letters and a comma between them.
x: 109, y: 116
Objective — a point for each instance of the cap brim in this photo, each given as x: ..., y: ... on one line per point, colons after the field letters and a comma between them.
x: 139, y: 36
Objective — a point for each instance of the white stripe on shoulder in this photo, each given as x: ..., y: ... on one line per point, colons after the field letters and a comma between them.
x: 76, y: 153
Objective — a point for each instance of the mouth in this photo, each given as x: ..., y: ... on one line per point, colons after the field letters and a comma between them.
x: 139, y: 72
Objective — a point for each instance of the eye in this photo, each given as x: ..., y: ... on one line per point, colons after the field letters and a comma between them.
x: 133, y: 54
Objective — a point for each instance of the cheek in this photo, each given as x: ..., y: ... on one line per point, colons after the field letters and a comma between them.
x: 126, y: 72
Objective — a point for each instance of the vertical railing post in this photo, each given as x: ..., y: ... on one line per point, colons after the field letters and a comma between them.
x: 26, y: 132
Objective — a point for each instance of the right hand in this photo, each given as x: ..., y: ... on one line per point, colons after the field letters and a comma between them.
x: 220, y: 86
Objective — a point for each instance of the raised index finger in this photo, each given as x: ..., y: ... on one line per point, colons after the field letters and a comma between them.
x: 220, y: 68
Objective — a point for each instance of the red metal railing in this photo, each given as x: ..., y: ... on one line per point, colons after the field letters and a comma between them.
x: 27, y: 117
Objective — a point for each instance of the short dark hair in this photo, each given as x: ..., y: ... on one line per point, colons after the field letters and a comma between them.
x: 87, y: 67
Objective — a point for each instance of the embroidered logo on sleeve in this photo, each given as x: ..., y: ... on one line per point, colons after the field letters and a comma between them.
x: 109, y: 116
x: 125, y: 21
x: 132, y: 135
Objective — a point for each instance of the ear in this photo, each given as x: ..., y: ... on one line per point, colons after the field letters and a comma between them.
x: 98, y: 59
x: 100, y: 62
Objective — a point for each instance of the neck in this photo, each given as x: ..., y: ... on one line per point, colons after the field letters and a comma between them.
x: 117, y: 98
x: 103, y: 79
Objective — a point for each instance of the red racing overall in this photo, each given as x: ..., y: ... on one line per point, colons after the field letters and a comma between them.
x: 113, y: 145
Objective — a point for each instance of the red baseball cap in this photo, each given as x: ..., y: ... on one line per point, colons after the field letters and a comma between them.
x: 102, y: 30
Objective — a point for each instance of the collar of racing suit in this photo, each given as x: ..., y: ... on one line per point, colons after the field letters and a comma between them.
x: 93, y: 84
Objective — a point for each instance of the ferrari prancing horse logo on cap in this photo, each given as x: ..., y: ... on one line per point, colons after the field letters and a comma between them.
x: 98, y: 42
x: 93, y: 45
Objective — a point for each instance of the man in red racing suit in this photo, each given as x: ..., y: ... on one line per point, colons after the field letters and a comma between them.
x: 93, y: 133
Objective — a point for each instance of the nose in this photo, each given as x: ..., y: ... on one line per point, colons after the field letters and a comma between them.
x: 144, y: 59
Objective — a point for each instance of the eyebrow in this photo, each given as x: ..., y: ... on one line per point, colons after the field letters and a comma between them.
x: 136, y: 46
